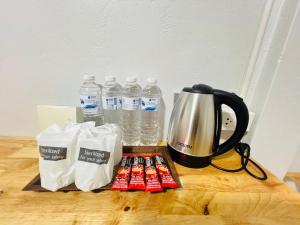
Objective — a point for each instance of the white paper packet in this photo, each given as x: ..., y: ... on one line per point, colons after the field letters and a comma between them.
x: 96, y: 148
x: 57, y: 150
x: 118, y: 149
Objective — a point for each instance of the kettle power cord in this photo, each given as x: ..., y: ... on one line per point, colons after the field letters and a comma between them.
x: 243, y: 149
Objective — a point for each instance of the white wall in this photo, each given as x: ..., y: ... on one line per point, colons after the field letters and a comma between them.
x: 46, y: 47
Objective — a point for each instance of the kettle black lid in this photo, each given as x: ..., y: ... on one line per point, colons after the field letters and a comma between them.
x: 199, y: 88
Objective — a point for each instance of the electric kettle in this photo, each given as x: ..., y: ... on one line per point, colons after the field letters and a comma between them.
x: 195, y: 125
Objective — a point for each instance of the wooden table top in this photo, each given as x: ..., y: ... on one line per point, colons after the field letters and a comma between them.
x: 208, y: 196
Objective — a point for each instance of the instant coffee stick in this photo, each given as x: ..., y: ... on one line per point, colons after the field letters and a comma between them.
x: 167, y: 181
x: 137, y: 174
x: 152, y: 180
x: 123, y: 175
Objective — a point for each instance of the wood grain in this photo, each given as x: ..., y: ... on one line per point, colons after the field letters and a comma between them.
x: 294, y: 177
x: 208, y: 196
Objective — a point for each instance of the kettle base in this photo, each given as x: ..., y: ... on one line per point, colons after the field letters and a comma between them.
x: 187, y: 160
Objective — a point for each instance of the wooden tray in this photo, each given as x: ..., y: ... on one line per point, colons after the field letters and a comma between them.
x: 35, y: 183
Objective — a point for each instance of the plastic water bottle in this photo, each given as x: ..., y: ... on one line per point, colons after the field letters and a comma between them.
x: 111, y: 100
x: 151, y: 98
x: 131, y: 111
x: 90, y: 95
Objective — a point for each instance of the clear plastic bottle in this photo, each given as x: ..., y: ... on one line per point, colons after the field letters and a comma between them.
x: 131, y: 112
x: 111, y: 100
x: 151, y: 98
x: 90, y: 95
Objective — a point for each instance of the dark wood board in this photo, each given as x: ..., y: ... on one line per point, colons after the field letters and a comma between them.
x: 35, y: 183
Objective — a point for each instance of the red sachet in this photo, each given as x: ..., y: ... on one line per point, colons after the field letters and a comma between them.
x: 167, y: 181
x: 137, y: 174
x: 123, y: 175
x: 152, y: 180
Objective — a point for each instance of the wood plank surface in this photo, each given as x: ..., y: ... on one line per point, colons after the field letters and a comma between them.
x: 294, y: 177
x: 208, y: 196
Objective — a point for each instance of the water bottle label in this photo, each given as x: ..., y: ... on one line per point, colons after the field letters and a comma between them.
x: 131, y: 103
x: 89, y: 104
x: 150, y: 104
x: 111, y: 103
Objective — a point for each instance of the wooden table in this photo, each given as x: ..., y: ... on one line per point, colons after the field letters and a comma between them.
x: 208, y: 196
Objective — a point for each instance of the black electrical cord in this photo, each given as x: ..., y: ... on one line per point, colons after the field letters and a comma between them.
x: 243, y: 149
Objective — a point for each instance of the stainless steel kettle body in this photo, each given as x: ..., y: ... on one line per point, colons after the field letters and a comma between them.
x: 195, y: 125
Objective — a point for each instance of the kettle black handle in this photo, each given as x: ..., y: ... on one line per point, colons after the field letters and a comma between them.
x: 242, y: 118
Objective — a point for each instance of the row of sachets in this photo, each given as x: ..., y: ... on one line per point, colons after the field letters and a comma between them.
x: 143, y: 172
x: 80, y: 153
